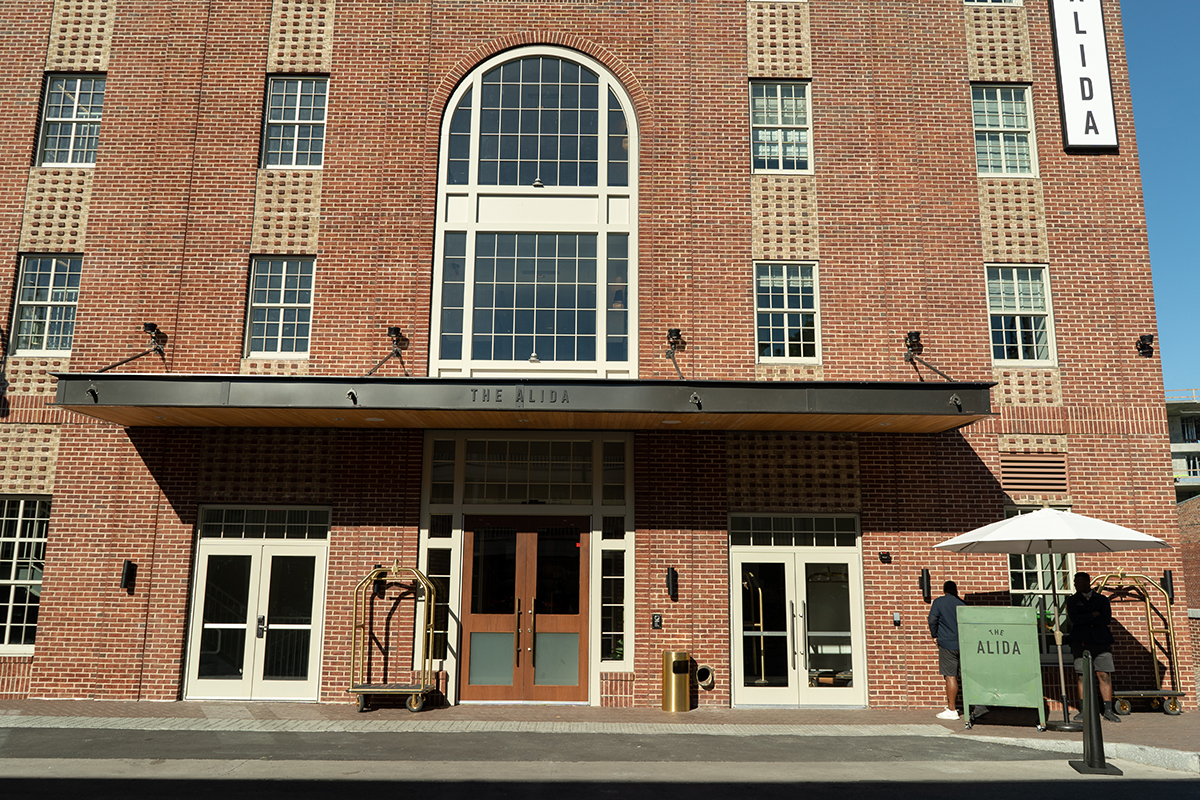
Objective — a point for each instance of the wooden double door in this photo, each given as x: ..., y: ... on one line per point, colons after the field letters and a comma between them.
x: 524, y: 609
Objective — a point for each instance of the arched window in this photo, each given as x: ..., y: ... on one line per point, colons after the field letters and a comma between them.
x: 535, y: 259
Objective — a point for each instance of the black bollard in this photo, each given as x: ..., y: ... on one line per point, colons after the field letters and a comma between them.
x: 1093, y: 740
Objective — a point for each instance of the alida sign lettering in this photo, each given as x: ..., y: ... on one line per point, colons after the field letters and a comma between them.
x: 1084, y: 84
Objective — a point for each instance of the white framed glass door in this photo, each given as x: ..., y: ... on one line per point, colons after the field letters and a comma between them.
x: 797, y: 617
x: 256, y: 627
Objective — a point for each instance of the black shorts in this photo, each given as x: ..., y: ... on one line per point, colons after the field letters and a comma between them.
x: 948, y: 662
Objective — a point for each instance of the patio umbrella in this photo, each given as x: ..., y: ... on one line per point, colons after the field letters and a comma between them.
x: 1053, y: 532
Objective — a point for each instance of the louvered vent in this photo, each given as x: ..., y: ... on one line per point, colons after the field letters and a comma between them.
x: 1035, y: 474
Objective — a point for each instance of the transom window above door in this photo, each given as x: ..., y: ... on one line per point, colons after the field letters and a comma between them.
x: 536, y: 252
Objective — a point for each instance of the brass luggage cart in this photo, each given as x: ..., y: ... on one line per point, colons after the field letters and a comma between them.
x: 373, y: 584
x: 1162, y: 637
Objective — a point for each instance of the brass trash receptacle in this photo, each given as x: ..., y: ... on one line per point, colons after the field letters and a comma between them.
x: 677, y: 680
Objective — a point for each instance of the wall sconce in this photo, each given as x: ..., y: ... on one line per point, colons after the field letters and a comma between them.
x: 379, y: 585
x: 1145, y: 345
x: 675, y: 342
x: 885, y: 557
x: 128, y: 575
x: 672, y: 583
x: 1168, y: 585
x: 157, y: 340
x: 912, y: 352
x: 400, y: 343
x: 926, y: 587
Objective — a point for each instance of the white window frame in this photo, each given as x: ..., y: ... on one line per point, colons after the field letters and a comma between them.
x: 1043, y: 595
x: 65, y: 267
x: 81, y: 151
x: 994, y: 2
x: 472, y: 208
x: 294, y: 117
x: 1022, y: 313
x: 779, y: 127
x: 255, y: 302
x: 27, y: 515
x: 1004, y: 131
x: 786, y: 311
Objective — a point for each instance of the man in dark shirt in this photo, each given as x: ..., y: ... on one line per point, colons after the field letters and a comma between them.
x: 943, y: 625
x: 1090, y: 614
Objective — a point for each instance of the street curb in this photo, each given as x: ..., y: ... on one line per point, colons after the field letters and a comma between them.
x: 1179, y: 760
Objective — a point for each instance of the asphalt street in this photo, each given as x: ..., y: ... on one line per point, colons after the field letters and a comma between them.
x: 229, y: 765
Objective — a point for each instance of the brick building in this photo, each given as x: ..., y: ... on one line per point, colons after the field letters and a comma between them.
x: 648, y: 274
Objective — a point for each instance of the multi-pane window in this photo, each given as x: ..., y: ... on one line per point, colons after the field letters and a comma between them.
x: 540, y: 471
x: 612, y: 605
x: 783, y: 531
x: 294, y: 132
x: 1019, y: 307
x: 1190, y: 428
x: 779, y: 126
x: 71, y: 119
x: 280, y: 306
x: 1003, y: 130
x: 264, y: 523
x: 1193, y: 465
x: 46, y: 300
x: 997, y: 2
x: 23, y: 525
x: 786, y: 310
x: 536, y: 234
x: 437, y: 569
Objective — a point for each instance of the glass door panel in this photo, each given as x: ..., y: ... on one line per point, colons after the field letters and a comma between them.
x: 288, y: 634
x: 765, y: 625
x: 827, y: 631
x: 225, y: 618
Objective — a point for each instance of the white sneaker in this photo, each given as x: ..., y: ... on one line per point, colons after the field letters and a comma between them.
x: 949, y: 713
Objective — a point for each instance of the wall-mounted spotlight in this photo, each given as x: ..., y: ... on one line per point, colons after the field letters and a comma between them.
x: 400, y: 343
x: 912, y: 354
x: 128, y: 575
x: 157, y: 340
x: 672, y: 583
x: 675, y: 342
x: 1145, y: 345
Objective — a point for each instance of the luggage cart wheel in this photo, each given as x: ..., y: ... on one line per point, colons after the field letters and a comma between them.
x: 1041, y: 728
x: 970, y: 724
x: 1172, y: 706
x: 1122, y: 706
x: 415, y: 702
x: 362, y: 703
x: 1156, y: 703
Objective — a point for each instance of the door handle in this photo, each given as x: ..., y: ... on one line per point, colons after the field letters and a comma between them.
x: 533, y: 632
x: 517, y: 637
x: 262, y: 626
x: 795, y: 622
x: 804, y: 630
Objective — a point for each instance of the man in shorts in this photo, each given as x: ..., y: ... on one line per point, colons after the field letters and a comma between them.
x: 1090, y: 614
x: 943, y: 625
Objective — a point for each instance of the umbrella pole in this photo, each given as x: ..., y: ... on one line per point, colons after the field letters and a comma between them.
x: 1066, y: 724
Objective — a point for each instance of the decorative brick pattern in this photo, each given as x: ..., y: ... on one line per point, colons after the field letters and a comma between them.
x: 998, y: 44
x: 1013, y: 216
x: 14, y: 677
x: 32, y: 376
x: 1027, y: 387
x: 616, y: 689
x: 280, y: 464
x: 56, y: 210
x: 80, y: 35
x: 774, y: 372
x: 1032, y: 444
x: 784, y: 223
x: 281, y: 366
x: 301, y: 36
x: 793, y: 471
x: 287, y: 212
x: 27, y: 458
x: 777, y: 40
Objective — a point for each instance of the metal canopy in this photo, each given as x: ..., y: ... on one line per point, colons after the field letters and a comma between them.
x: 175, y: 400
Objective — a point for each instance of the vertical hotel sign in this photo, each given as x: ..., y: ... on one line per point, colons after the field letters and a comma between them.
x: 1084, y: 84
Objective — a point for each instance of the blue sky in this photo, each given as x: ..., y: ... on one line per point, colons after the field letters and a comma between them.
x: 1161, y: 43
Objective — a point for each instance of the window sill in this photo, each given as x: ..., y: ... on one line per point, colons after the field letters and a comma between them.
x: 16, y: 651
x: 1019, y: 364
x: 808, y: 171
x: 277, y: 356
x: 40, y: 354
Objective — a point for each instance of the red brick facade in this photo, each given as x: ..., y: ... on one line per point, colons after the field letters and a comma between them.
x: 893, y: 212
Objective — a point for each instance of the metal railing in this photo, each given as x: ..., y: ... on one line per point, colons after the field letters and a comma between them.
x: 1183, y: 394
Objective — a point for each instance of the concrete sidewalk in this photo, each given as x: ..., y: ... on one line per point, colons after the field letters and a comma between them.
x: 1155, y: 739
